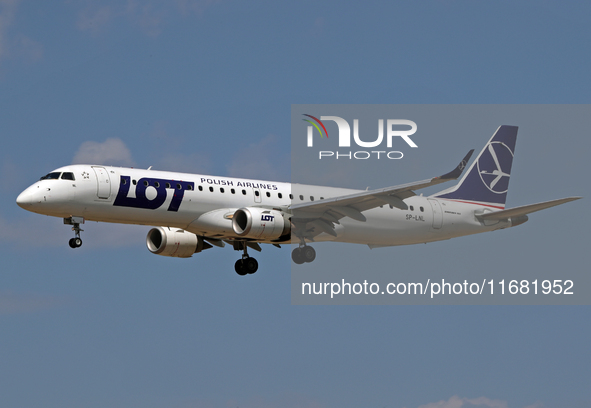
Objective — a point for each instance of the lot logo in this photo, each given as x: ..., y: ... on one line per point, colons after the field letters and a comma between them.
x: 494, y: 167
x: 267, y: 217
x: 151, y: 193
x: 394, y: 128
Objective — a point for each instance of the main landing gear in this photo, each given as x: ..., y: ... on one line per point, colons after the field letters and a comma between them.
x: 75, y: 222
x: 246, y: 265
x: 303, y: 254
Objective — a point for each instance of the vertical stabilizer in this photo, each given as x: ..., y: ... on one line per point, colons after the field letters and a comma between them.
x: 487, y: 179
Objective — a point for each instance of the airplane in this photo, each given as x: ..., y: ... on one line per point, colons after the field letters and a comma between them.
x: 192, y: 212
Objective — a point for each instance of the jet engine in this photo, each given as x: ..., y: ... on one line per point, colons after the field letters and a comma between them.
x: 175, y: 242
x: 260, y: 223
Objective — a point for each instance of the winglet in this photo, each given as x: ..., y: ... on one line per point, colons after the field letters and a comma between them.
x: 457, y: 172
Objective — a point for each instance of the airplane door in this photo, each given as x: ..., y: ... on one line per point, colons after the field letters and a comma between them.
x: 103, y: 182
x: 437, y: 213
x: 257, y: 195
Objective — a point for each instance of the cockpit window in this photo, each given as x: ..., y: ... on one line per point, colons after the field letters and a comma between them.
x: 68, y: 176
x: 51, y: 176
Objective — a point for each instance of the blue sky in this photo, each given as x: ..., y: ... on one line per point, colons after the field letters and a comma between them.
x: 207, y: 86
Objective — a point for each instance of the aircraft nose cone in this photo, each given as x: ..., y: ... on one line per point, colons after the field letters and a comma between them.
x: 24, y: 199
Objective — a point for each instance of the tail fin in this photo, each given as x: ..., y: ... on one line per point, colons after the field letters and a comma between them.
x: 487, y: 180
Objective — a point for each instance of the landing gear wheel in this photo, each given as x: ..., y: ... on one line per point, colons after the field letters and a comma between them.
x: 297, y: 257
x: 246, y: 266
x: 308, y: 253
x: 303, y: 254
x: 251, y: 265
x: 239, y: 267
x: 75, y: 243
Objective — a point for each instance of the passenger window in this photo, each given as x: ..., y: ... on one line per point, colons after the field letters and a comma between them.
x: 422, y: 209
x: 211, y: 189
x: 168, y: 185
x: 256, y: 193
x: 412, y: 208
x: 221, y: 189
x: 123, y: 181
x: 291, y: 196
x: 200, y: 188
x: 302, y: 197
x: 268, y: 194
x: 243, y: 192
x: 322, y: 198
x: 178, y: 187
x: 232, y: 191
x: 134, y: 182
x: 68, y: 176
x: 190, y: 187
x: 279, y: 195
x: 311, y: 198
x: 146, y: 183
x: 156, y: 184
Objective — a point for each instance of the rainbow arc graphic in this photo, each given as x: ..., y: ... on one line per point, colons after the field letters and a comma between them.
x: 316, y: 126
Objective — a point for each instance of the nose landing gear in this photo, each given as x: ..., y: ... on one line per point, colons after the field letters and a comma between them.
x: 75, y: 222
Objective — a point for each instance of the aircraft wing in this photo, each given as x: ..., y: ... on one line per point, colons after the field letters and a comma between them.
x: 523, y: 210
x: 325, y: 213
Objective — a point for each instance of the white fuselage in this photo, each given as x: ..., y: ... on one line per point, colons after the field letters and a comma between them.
x: 203, y: 205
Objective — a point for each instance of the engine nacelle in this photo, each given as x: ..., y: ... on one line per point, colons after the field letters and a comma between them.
x: 175, y: 242
x: 260, y: 223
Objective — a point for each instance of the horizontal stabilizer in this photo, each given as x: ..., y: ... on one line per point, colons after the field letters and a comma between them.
x: 523, y: 210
